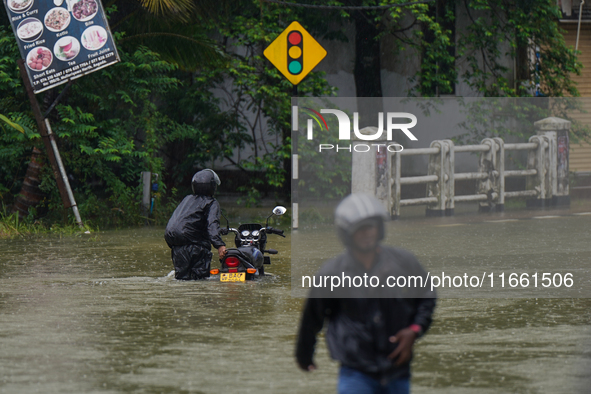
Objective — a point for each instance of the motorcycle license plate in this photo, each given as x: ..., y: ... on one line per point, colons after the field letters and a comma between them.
x: 233, y: 277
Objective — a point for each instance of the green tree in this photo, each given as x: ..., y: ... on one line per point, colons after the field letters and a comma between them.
x: 257, y: 94
x: 522, y: 30
x: 114, y: 123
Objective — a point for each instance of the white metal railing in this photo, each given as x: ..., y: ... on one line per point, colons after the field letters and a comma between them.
x: 541, y: 178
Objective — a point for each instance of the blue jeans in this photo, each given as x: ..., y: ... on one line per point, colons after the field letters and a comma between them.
x: 352, y: 381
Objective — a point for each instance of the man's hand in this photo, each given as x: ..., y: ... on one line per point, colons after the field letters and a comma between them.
x: 307, y: 368
x: 222, y: 251
x: 405, y: 339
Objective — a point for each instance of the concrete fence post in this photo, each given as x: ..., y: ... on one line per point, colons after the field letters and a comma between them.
x: 437, y: 167
x: 535, y: 160
x: 488, y: 164
x: 501, y: 170
x: 449, y: 182
x: 371, y: 167
x: 557, y: 131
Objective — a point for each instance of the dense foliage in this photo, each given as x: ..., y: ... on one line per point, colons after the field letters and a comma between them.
x: 193, y: 88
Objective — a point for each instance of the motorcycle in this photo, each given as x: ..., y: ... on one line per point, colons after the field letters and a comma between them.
x: 247, y: 260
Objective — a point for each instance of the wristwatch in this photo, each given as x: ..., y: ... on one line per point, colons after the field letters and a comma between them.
x: 417, y: 329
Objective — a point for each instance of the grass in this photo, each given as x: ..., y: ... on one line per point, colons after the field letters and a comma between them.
x: 11, y: 226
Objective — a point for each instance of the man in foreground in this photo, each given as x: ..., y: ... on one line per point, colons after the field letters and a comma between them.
x: 194, y: 227
x: 371, y: 330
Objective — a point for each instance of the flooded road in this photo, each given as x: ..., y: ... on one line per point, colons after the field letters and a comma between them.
x: 97, y: 314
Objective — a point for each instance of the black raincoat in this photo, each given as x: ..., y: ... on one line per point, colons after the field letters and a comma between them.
x: 190, y: 232
x: 359, y: 328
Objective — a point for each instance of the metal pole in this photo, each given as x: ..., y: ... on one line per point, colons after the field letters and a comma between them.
x: 146, y: 186
x: 49, y: 142
x: 64, y: 177
x: 396, y: 210
x: 579, y: 26
x: 294, y: 156
x: 58, y: 98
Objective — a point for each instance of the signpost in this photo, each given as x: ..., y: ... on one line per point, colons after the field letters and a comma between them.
x: 295, y: 53
x: 59, y: 40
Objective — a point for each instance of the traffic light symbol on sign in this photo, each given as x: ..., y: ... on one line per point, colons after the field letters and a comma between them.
x: 291, y: 57
x: 295, y: 52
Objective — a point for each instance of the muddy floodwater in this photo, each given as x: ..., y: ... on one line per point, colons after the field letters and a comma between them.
x: 98, y: 314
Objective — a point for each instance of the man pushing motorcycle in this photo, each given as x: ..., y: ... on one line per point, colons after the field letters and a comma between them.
x: 194, y: 227
x: 371, y: 328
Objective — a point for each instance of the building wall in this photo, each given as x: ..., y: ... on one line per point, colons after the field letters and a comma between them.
x: 580, y: 153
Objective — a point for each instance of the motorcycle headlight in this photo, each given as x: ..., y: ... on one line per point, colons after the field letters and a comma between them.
x: 255, y: 233
x: 245, y: 233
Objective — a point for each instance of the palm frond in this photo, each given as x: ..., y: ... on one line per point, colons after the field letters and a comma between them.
x: 188, y: 52
x: 12, y: 124
x: 176, y: 9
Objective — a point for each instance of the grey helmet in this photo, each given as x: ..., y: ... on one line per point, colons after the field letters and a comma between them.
x: 356, y: 211
x: 205, y: 183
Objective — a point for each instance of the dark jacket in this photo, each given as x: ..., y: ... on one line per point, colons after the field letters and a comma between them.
x: 359, y: 327
x: 196, y: 221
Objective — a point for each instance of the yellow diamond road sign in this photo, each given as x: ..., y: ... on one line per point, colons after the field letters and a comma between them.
x: 295, y: 53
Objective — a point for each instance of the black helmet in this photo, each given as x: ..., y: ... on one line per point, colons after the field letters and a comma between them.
x: 205, y: 183
x: 356, y: 211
